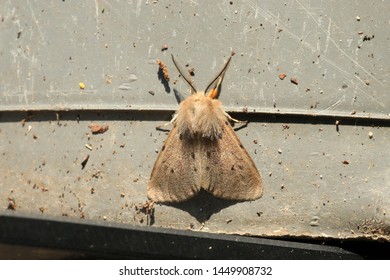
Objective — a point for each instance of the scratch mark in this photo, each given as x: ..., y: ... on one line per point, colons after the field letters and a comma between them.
x: 25, y: 94
x: 371, y: 97
x: 327, y: 36
x: 334, y: 105
x: 347, y: 74
x: 274, y: 20
x: 303, y: 41
x: 138, y: 8
x: 36, y: 22
x: 224, y: 12
x: 97, y: 8
x: 336, y: 45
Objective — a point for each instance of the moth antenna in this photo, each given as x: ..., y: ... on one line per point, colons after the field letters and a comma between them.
x: 184, y: 75
x: 214, y: 88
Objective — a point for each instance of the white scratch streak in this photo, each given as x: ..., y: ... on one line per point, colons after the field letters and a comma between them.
x: 36, y: 22
x: 97, y: 8
x: 337, y: 46
x: 327, y: 36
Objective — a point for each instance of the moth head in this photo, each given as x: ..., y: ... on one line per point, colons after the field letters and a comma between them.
x: 214, y: 88
x: 201, y: 114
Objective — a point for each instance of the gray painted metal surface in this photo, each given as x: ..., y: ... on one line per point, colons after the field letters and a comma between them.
x: 319, y: 182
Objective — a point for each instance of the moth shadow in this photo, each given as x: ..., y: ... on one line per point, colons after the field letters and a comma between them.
x: 179, y: 96
x: 203, y: 205
x: 165, y: 83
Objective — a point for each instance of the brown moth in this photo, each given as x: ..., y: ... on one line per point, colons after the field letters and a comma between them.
x: 202, y: 151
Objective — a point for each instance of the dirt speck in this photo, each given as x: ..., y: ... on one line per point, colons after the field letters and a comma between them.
x: 282, y: 76
x: 11, y: 204
x: 191, y: 71
x: 84, y: 162
x: 294, y: 80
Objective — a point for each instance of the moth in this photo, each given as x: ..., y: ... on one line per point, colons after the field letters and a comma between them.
x: 202, y: 151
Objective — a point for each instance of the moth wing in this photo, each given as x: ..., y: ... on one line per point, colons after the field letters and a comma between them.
x: 175, y: 174
x: 232, y: 173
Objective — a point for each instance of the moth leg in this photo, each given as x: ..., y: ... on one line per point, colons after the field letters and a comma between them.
x: 161, y: 127
x: 245, y: 123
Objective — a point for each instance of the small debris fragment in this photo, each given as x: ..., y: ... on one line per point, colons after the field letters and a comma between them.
x: 148, y: 209
x: 368, y: 38
x: 279, y: 151
x: 82, y: 85
x: 357, y: 18
x: 92, y: 190
x: 97, y: 128
x: 346, y: 162
x: 58, y: 118
x: 282, y: 76
x: 370, y: 135
x: 228, y: 221
x: 151, y: 92
x: 163, y: 69
x: 315, y: 221
x: 11, y: 204
x: 164, y: 47
x: 294, y: 80
x: 337, y: 125
x: 42, y: 209
x: 89, y: 147
x: 191, y: 71
x: 84, y: 162
x: 148, y: 206
x: 23, y: 122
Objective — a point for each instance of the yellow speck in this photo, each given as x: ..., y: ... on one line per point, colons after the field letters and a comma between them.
x: 82, y: 85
